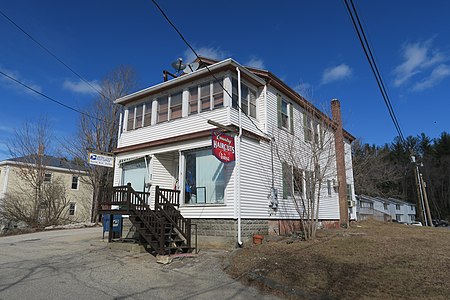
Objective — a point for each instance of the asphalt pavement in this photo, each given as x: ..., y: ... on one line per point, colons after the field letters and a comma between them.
x: 77, y: 264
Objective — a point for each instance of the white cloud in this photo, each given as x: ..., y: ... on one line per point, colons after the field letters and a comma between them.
x: 339, y: 72
x: 255, y: 63
x: 9, y: 83
x: 417, y: 57
x: 208, y: 52
x: 437, y: 75
x: 82, y: 87
x: 304, y: 89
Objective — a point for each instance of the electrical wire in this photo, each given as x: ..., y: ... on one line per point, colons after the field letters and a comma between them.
x: 49, y: 98
x: 362, y: 37
x: 53, y: 55
x: 200, y: 59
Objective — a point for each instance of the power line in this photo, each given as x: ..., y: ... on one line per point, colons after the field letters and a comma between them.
x: 53, y: 55
x: 369, y: 55
x: 49, y: 98
x: 200, y: 59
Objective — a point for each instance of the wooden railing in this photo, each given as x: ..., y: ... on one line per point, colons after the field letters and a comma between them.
x: 166, y: 202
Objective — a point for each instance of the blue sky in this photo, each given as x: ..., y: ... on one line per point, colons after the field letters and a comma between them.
x: 311, y: 45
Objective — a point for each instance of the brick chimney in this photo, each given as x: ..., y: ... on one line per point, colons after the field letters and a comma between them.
x: 340, y: 162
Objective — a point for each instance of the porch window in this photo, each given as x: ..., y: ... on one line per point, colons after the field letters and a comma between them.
x: 130, y: 121
x: 205, y: 96
x: 204, y: 178
x: 217, y: 94
x: 175, y: 106
x: 307, y: 127
x: 147, y: 113
x: 163, y: 103
x: 193, y: 100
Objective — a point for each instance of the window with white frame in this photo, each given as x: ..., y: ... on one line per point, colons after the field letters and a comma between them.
x: 307, y: 127
x: 163, y: 109
x: 397, y: 206
x: 204, y: 178
x: 329, y: 187
x: 206, y: 96
x: 176, y: 106
x: 248, y: 98
x: 135, y: 116
x: 75, y: 182
x: 147, y: 113
x: 72, y: 207
x: 130, y: 121
x: 193, y: 100
x: 412, y: 217
x: 398, y: 217
x: 285, y: 114
x: 349, y: 192
x: 385, y: 206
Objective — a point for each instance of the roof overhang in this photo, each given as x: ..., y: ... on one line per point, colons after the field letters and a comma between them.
x: 227, y: 64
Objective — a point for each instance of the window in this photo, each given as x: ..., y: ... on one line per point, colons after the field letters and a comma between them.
x: 72, y: 206
x: 248, y: 98
x: 193, y: 100
x: 217, y: 94
x: 398, y: 217
x: 349, y: 192
x: 163, y: 109
x: 205, y: 96
x: 309, y: 179
x: 385, y: 206
x: 284, y: 115
x: 204, y: 178
x: 130, y: 122
x: 287, y: 180
x: 307, y: 127
x: 411, y: 207
x: 175, y: 106
x: 75, y: 180
x: 329, y: 187
x: 48, y: 177
x: 147, y: 113
x: 135, y: 117
x: 397, y: 206
x: 412, y: 217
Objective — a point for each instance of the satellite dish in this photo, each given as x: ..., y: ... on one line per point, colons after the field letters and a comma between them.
x: 191, y: 67
x: 178, y: 65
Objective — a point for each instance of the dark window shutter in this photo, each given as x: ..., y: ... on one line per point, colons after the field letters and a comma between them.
x: 279, y: 110
x: 291, y: 118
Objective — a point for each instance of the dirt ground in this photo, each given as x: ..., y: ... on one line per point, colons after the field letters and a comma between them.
x: 370, y: 260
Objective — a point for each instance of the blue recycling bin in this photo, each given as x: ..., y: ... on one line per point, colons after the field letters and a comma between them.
x: 117, y: 225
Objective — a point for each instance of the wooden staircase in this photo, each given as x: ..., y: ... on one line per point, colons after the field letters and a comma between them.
x: 164, y: 229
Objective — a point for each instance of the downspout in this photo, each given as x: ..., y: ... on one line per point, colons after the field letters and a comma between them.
x: 238, y: 162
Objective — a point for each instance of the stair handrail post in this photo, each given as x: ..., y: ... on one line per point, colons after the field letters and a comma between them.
x: 129, y: 188
x: 157, y: 196
x: 188, y: 231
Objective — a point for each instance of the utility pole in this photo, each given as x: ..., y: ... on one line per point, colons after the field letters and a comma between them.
x: 420, y: 205
x: 425, y: 197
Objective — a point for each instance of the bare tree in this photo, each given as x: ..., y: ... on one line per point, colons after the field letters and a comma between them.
x: 33, y: 199
x: 307, y: 158
x: 98, y: 131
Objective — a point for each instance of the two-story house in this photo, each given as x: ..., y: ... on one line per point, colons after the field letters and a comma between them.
x: 19, y: 176
x: 385, y: 209
x: 165, y: 140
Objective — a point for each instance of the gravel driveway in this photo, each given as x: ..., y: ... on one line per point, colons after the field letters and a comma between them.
x: 77, y: 264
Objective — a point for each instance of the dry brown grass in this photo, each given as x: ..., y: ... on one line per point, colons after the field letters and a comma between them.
x: 370, y: 260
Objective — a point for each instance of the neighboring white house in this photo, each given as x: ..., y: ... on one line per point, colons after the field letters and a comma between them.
x: 385, y: 209
x: 165, y: 140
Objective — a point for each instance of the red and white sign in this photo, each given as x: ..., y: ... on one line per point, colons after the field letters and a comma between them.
x: 222, y: 146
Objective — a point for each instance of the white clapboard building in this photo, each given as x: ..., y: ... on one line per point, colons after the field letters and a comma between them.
x: 165, y: 140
